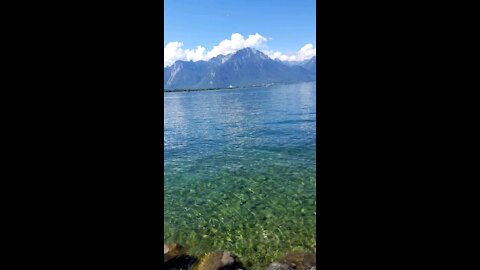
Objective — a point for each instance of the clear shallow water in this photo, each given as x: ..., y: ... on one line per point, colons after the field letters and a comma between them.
x: 240, y: 170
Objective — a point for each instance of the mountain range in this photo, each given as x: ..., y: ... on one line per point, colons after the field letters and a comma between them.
x: 245, y: 67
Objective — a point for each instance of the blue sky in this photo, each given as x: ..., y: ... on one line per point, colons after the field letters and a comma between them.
x: 284, y: 26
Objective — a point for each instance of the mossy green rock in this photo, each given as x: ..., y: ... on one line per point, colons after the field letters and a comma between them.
x: 218, y: 260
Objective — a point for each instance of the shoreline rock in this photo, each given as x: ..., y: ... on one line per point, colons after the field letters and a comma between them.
x: 279, y: 266
x: 172, y: 251
x: 301, y: 260
x: 175, y: 257
x: 218, y: 260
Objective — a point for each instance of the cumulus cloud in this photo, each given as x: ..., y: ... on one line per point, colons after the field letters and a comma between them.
x: 235, y: 43
x: 173, y: 50
x: 305, y: 53
x: 196, y: 55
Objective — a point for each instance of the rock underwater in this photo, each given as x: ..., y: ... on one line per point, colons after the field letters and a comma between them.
x: 175, y: 257
x: 218, y: 260
x: 301, y: 261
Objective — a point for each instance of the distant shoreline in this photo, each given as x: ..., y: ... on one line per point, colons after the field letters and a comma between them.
x: 231, y: 88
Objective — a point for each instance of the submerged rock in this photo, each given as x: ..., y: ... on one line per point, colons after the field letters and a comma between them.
x: 279, y: 266
x: 175, y: 257
x: 301, y: 261
x: 172, y: 251
x: 218, y: 260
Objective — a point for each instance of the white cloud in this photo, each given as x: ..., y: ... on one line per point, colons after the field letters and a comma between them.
x: 305, y: 53
x: 196, y: 55
x: 235, y: 43
x: 255, y: 40
x: 173, y: 50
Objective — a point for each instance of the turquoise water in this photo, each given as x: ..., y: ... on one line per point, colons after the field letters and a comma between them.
x: 240, y: 171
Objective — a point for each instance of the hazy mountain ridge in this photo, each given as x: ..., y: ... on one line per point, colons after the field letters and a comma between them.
x: 243, y: 68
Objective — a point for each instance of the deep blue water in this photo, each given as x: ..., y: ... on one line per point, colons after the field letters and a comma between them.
x: 240, y: 171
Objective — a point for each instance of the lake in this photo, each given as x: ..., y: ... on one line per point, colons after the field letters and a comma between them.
x: 240, y: 171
